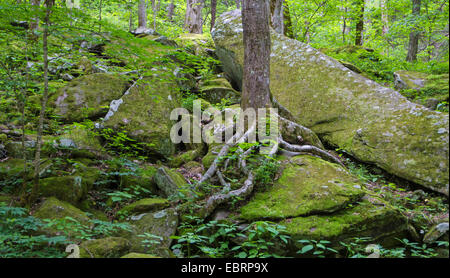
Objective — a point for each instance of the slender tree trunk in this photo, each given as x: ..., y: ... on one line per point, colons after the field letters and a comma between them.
x: 130, y: 18
x: 288, y: 31
x: 34, y: 24
x: 142, y: 14
x: 359, y: 32
x: 154, y: 11
x: 193, y: 20
x: 34, y: 193
x: 256, y: 81
x: 414, y: 35
x: 277, y: 15
x: 213, y: 13
x: 100, y: 16
x: 170, y: 10
x: 238, y: 4
x: 384, y: 16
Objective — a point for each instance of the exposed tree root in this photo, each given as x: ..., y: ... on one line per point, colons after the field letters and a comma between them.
x: 279, y: 146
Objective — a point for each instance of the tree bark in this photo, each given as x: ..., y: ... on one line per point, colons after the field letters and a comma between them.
x: 213, y: 13
x: 288, y: 32
x: 413, y: 47
x: 142, y: 14
x: 37, y: 159
x: 238, y: 4
x: 359, y: 32
x: 193, y: 20
x: 277, y: 15
x: 256, y: 79
x: 170, y: 10
x: 384, y: 16
x: 34, y: 24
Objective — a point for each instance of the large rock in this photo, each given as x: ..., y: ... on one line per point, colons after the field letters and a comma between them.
x: 373, y: 123
x: 162, y: 224
x: 110, y: 247
x: 308, y: 185
x: 144, y: 113
x: 53, y: 208
x: 315, y: 199
x: 88, y: 96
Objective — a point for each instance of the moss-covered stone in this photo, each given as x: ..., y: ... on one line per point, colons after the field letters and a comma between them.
x: 161, y: 224
x: 139, y: 256
x: 12, y: 168
x: 308, y: 185
x: 169, y: 181
x: 71, y: 189
x: 365, y: 219
x: 87, y: 144
x: 144, y: 177
x: 145, y: 205
x: 88, y: 96
x: 187, y: 156
x: 209, y: 158
x: 145, y: 114
x: 52, y: 208
x: 110, y: 247
x: 375, y: 124
x: 197, y: 43
x: 217, y: 89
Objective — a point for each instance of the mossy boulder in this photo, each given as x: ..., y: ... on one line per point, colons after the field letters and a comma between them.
x: 169, y: 181
x: 308, y: 185
x: 144, y: 114
x: 52, y: 208
x: 197, y: 43
x: 86, y: 143
x: 369, y: 218
x: 145, y: 205
x: 374, y: 124
x: 139, y: 256
x: 72, y: 189
x: 186, y: 156
x: 110, y: 247
x: 88, y: 96
x: 161, y: 224
x: 143, y: 177
x: 14, y: 168
x: 409, y: 80
x: 219, y: 89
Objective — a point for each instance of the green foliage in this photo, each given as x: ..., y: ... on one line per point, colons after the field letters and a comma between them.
x: 318, y: 248
x: 221, y: 239
x: 20, y: 238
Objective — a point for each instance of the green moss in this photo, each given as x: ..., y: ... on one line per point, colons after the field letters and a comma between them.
x: 88, y: 96
x: 363, y: 220
x: 52, y: 208
x: 144, y: 178
x: 145, y: 205
x: 139, y: 256
x: 169, y: 181
x: 3, y: 138
x: 187, y: 156
x: 110, y: 247
x: 145, y: 114
x: 71, y: 189
x: 307, y: 186
x: 209, y: 158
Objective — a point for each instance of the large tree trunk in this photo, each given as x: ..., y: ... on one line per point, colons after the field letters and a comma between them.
x: 359, y: 32
x: 37, y: 159
x: 213, y: 13
x: 414, y: 35
x: 277, y: 15
x: 256, y: 79
x: 154, y: 12
x: 142, y: 14
x: 193, y: 20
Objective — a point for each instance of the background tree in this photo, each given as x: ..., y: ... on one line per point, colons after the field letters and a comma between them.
x: 359, y: 31
x: 194, y: 17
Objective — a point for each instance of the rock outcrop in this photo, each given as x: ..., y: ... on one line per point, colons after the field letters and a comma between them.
x: 374, y: 124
